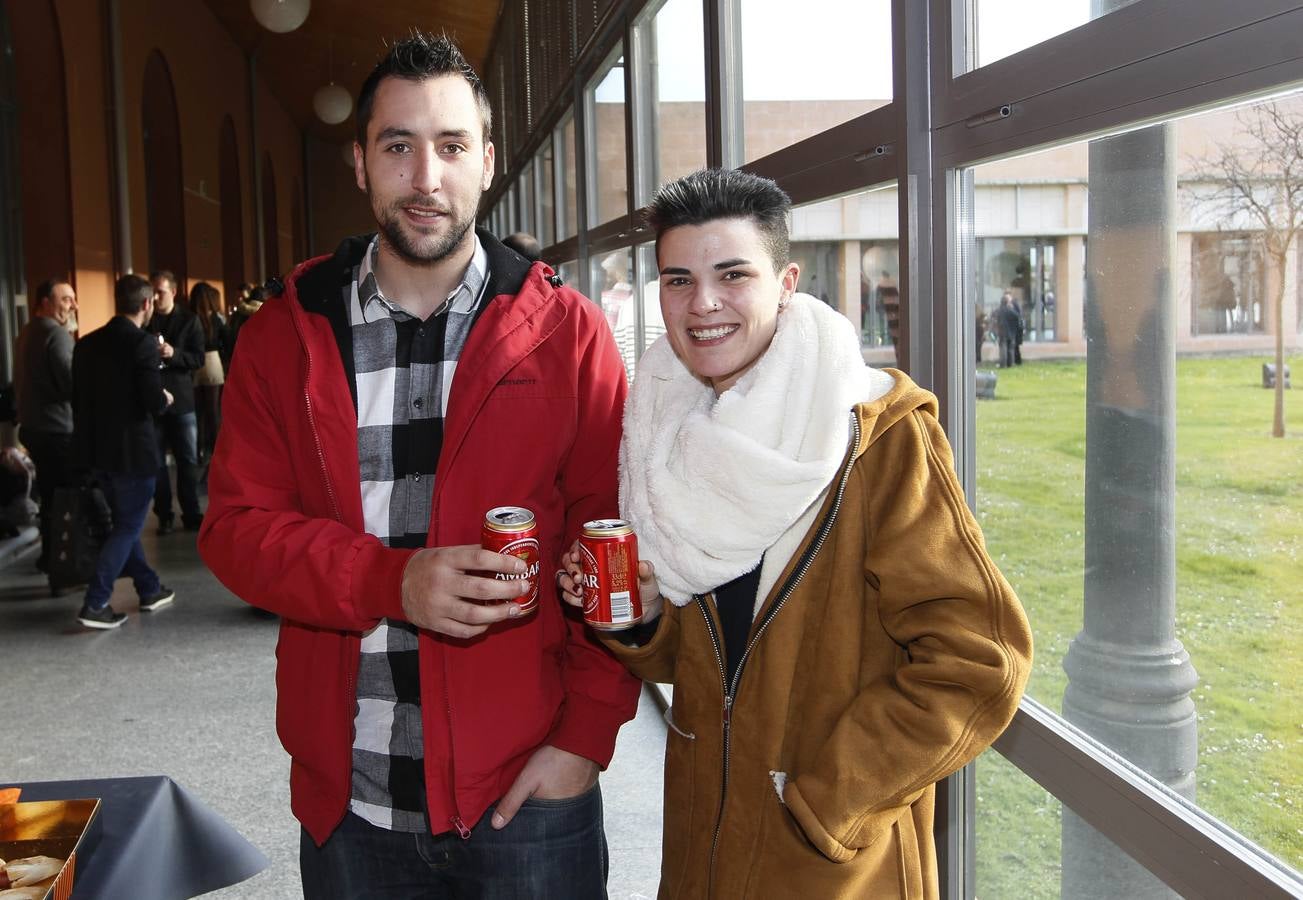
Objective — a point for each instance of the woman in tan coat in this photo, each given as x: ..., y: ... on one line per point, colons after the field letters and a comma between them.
x: 836, y: 634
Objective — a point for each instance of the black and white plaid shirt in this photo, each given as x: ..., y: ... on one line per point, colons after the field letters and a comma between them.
x: 404, y: 374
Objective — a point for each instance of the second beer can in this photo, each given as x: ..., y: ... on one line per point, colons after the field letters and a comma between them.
x: 511, y: 530
x: 608, y: 551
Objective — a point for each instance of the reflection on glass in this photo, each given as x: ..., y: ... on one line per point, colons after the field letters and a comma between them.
x: 843, y: 71
x: 546, y: 214
x: 568, y: 211
x: 1006, y: 26
x: 674, y: 71
x: 653, y: 323
x: 849, y: 257
x: 1017, y: 825
x: 609, y: 176
x: 569, y: 272
x: 1129, y: 486
x: 612, y: 286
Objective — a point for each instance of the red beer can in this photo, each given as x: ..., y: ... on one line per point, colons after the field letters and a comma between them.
x: 608, y: 551
x: 511, y: 530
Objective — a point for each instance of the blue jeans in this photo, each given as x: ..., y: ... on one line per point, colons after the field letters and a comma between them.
x: 551, y: 850
x: 178, y: 432
x: 128, y: 497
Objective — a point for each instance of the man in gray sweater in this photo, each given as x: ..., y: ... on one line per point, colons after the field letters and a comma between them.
x: 43, y: 385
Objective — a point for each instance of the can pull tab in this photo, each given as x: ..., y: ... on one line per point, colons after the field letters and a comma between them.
x: 462, y: 830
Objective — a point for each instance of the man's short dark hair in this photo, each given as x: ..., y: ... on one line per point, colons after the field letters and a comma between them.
x: 525, y: 244
x: 418, y: 58
x: 710, y: 194
x: 164, y: 273
x: 45, y: 290
x: 130, y: 294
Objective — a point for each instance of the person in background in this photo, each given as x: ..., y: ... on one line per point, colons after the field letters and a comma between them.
x: 813, y: 582
x: 1008, y: 329
x: 181, y: 348
x: 244, y: 310
x: 43, y: 389
x: 206, y: 302
x: 398, y: 391
x: 117, y: 392
x: 525, y: 244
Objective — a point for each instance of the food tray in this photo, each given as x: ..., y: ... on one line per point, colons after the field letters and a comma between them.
x: 63, y: 829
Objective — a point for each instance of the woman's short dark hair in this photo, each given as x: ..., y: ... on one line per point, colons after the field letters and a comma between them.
x: 418, y: 58
x: 130, y: 294
x: 710, y: 194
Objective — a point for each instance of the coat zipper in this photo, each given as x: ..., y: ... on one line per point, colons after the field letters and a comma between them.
x: 349, y: 681
x: 730, y: 690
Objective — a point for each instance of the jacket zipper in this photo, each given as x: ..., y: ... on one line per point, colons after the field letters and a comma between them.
x: 730, y: 690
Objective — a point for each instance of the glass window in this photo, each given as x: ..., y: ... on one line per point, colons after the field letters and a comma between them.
x: 849, y: 257
x: 569, y: 272
x: 1006, y: 26
x: 611, y: 277
x: 1226, y: 282
x: 566, y: 166
x: 673, y: 72
x: 610, y: 195
x: 1129, y: 486
x: 545, y: 219
x: 801, y: 75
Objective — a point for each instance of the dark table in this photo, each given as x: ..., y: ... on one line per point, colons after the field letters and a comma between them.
x: 158, y: 841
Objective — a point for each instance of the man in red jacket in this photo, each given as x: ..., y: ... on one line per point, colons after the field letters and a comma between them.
x: 396, y: 392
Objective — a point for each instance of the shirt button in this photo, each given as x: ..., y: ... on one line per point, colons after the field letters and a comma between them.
x: 420, y: 332
x: 418, y: 402
x: 416, y: 477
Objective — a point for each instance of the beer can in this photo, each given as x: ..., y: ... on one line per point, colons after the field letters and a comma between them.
x: 511, y: 530
x: 608, y: 551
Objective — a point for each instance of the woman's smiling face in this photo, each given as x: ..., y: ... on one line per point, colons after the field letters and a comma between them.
x: 720, y: 297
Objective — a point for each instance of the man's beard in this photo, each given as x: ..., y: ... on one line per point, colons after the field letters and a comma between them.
x: 416, y: 251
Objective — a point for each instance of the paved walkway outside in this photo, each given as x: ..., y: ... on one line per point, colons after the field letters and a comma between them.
x: 188, y: 692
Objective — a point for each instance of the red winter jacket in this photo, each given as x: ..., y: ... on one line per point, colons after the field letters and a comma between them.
x: 533, y: 420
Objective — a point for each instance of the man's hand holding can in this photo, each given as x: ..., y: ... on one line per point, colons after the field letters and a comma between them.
x: 456, y: 590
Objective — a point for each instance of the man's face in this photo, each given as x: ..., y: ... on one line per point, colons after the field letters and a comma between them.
x: 720, y: 297
x: 63, y: 300
x: 425, y: 165
x: 164, y: 295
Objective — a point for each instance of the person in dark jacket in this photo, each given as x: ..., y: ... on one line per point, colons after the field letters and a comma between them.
x: 117, y: 391
x: 206, y: 302
x: 1008, y: 327
x: 43, y: 387
x: 181, y: 348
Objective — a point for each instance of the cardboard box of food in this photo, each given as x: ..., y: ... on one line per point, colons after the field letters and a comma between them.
x: 65, y: 830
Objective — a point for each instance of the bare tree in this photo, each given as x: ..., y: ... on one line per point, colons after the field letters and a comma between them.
x: 1256, y: 178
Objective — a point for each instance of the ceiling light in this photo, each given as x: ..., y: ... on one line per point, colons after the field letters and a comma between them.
x: 332, y: 104
x: 280, y: 16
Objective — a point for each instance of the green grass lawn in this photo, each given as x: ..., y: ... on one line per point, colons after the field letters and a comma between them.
x: 1239, y: 539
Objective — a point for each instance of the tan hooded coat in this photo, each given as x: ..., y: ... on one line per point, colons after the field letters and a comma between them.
x: 889, y: 654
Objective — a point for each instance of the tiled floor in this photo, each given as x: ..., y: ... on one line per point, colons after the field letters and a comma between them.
x: 188, y: 692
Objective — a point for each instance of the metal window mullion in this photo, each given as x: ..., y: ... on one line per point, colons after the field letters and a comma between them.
x: 581, y: 119
x: 1230, y: 65
x: 722, y: 40
x: 1192, y: 852
x: 1140, y: 31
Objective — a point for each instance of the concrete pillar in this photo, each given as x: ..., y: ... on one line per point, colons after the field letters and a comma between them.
x: 1129, y: 678
x: 1070, y: 296
x: 848, y: 266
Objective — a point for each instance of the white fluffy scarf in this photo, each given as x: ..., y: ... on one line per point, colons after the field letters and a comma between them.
x: 708, y: 483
